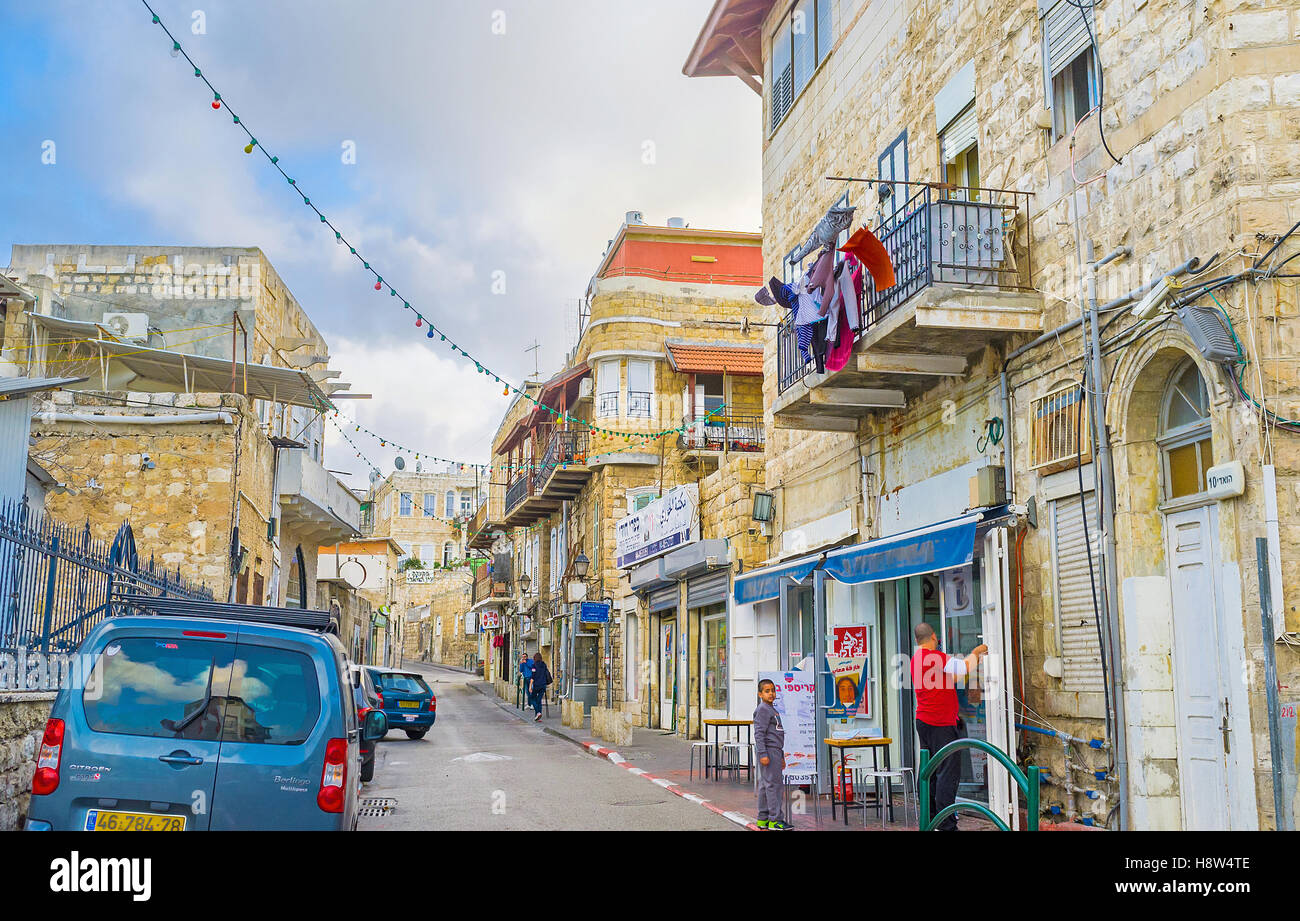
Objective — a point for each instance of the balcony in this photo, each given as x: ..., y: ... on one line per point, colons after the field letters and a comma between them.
x: 490, y: 585
x: 314, y: 505
x: 709, y: 437
x: 963, y: 270
x: 483, y: 528
x: 563, y: 471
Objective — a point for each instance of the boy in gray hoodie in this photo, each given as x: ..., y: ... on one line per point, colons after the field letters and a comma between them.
x: 769, y: 746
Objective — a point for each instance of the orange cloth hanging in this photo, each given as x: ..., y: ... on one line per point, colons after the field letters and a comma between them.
x: 872, y: 254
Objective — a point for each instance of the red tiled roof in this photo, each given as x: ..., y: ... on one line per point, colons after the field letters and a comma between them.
x: 713, y: 359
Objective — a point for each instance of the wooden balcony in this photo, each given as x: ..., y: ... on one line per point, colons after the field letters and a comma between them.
x: 963, y: 271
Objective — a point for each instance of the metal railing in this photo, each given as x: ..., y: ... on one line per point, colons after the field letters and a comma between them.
x: 520, y: 488
x: 564, y: 447
x: 1026, y: 781
x: 966, y: 236
x: 606, y: 404
x: 638, y: 404
x: 57, y: 582
x: 739, y: 431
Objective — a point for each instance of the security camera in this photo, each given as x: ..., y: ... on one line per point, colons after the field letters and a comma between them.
x: 146, y: 462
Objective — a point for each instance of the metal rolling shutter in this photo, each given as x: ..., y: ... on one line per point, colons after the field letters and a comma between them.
x: 1065, y: 35
x: 961, y: 133
x: 662, y: 599
x: 1075, y: 615
x: 710, y: 588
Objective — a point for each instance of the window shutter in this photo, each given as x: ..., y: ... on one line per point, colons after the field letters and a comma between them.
x: 1075, y: 615
x: 1066, y: 34
x: 961, y: 133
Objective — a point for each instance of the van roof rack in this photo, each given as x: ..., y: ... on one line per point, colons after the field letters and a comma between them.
x: 250, y: 613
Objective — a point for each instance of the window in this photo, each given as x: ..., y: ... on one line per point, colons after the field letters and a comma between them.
x: 274, y: 697
x: 799, y: 45
x: 1070, y: 64
x: 467, y: 503
x: 638, y: 499
x: 448, y: 552
x: 607, y: 387
x: 449, y: 509
x: 1186, y: 448
x: 891, y: 167
x: 403, y: 683
x: 152, y: 687
x: 406, y: 508
x: 1058, y: 429
x: 715, y: 663
x: 430, y: 505
x: 555, y: 560
x: 640, y: 386
x: 408, y: 549
x: 959, y: 150
x: 428, y: 553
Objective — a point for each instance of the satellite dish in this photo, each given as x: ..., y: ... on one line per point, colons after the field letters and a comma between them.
x: 399, y: 462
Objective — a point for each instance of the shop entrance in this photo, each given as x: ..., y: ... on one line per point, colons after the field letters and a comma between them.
x: 714, y: 665
x: 668, y: 673
x: 799, y: 629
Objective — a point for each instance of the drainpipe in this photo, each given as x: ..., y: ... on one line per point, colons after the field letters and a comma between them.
x: 1103, y: 471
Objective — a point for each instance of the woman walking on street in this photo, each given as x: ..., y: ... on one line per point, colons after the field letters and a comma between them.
x: 537, y: 685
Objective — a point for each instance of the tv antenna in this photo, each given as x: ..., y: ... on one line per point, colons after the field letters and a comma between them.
x: 534, y: 348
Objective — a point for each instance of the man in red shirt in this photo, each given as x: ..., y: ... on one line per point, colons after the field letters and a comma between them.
x: 934, y: 681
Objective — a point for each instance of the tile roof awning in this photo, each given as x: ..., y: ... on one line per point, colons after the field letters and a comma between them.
x: 715, y: 359
x: 730, y: 44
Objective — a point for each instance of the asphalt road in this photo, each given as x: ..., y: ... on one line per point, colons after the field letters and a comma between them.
x: 480, y: 768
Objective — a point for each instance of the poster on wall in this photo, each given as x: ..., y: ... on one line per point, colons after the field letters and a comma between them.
x: 850, y: 641
x: 845, y: 692
x: 490, y: 619
x: 796, y: 702
x: 959, y: 591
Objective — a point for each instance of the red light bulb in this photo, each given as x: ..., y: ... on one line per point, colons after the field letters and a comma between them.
x: 379, y: 286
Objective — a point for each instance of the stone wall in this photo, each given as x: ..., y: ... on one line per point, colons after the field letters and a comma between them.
x: 22, y: 723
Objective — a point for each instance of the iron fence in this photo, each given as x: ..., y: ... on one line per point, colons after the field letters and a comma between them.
x: 739, y: 431
x: 518, y: 490
x: 966, y: 236
x: 57, y: 582
x: 564, y: 447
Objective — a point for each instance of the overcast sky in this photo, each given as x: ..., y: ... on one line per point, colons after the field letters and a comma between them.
x: 485, y: 144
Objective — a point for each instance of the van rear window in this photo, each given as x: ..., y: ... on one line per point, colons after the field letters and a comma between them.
x: 274, y: 696
x: 404, y: 684
x: 156, y: 687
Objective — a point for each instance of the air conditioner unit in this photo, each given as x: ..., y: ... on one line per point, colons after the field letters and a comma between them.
x: 585, y: 387
x: 133, y: 326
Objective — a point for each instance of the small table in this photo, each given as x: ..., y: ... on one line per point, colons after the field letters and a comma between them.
x: 875, y: 743
x: 717, y: 726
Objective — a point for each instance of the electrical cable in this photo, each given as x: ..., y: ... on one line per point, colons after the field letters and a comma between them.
x: 1101, y: 75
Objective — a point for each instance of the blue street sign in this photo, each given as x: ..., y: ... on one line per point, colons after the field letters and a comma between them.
x: 594, y: 612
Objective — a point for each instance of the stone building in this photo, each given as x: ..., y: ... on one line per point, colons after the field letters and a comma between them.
x: 428, y: 512
x: 435, y: 606
x: 659, y: 405
x: 199, y: 420
x: 370, y: 568
x: 1109, y: 558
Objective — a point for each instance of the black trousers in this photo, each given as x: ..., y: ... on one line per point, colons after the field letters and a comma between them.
x: 943, y: 783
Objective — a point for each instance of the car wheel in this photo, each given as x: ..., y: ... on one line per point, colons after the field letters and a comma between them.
x: 368, y: 770
x: 416, y: 734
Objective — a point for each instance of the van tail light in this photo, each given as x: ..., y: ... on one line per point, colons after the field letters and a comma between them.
x: 46, y: 779
x: 361, y: 713
x: 433, y: 705
x: 380, y: 695
x: 333, y: 776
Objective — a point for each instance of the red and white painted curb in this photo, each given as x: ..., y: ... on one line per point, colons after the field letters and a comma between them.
x: 670, y: 785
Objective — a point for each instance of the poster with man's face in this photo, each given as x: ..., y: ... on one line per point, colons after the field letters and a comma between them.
x: 846, y: 687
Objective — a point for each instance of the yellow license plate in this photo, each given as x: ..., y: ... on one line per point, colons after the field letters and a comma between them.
x: 101, y: 820
x: 409, y: 704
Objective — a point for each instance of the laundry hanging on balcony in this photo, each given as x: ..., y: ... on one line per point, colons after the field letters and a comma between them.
x: 871, y: 253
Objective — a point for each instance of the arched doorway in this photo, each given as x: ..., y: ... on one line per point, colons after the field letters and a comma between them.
x: 1186, y: 707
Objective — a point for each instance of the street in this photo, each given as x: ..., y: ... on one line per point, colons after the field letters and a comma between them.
x: 481, y: 768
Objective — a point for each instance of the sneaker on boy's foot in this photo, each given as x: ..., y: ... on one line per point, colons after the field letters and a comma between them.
x: 763, y: 824
x: 779, y: 826
x: 537, y: 718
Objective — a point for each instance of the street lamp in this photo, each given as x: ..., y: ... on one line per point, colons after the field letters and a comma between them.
x: 524, y: 582
x: 580, y: 566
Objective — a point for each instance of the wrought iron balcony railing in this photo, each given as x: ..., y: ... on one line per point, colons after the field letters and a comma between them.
x: 976, y: 239
x: 520, y: 488
x: 742, y: 431
x: 565, y: 447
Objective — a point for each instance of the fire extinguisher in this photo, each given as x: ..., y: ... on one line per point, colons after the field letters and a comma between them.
x: 844, y: 783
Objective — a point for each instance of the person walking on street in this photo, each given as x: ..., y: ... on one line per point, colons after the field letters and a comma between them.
x: 769, y: 746
x: 934, y: 675
x: 539, y: 681
x: 525, y: 673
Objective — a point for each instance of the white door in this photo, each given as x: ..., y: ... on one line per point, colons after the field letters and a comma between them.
x: 1201, y: 692
x: 995, y: 673
x: 667, y: 671
x: 714, y: 666
x: 755, y: 648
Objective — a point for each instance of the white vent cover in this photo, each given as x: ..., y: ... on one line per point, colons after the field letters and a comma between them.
x: 127, y: 325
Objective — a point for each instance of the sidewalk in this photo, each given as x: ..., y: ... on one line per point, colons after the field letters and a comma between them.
x: 664, y: 759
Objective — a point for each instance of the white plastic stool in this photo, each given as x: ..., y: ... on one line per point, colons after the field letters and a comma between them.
x: 885, y: 778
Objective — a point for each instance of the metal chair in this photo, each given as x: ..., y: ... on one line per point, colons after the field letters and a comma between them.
x: 705, y: 749
x: 907, y: 781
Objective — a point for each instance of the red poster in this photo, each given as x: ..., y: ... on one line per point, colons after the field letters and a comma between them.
x: 850, y: 641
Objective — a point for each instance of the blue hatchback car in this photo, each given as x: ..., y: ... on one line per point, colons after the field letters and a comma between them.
x: 407, y: 700
x: 188, y: 723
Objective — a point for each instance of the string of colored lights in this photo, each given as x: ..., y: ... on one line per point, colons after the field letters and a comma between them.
x: 335, y: 415
x: 421, y: 320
